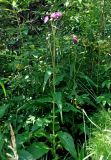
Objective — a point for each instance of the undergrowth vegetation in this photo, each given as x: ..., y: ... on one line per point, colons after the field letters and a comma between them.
x: 55, y: 79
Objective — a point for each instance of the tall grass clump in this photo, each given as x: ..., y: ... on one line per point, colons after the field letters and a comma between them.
x: 99, y: 146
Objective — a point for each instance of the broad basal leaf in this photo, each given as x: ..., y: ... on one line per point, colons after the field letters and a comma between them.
x: 68, y: 143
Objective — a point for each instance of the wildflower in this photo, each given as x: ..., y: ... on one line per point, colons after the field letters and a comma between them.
x: 74, y: 39
x: 56, y: 15
x: 46, y: 18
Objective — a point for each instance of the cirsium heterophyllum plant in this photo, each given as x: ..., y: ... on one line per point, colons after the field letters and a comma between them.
x: 57, y: 101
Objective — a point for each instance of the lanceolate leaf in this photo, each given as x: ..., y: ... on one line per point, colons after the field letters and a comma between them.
x: 58, y: 100
x: 2, y: 85
x: 68, y: 143
x: 46, y: 77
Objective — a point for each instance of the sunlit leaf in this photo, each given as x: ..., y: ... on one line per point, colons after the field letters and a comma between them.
x: 40, y: 123
x: 46, y: 77
x: 3, y: 87
x: 80, y: 1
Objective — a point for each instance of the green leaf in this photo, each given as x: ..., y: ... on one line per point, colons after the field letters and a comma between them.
x: 68, y: 143
x: 38, y: 149
x: 106, y: 83
x: 104, y: 99
x: 14, y: 3
x: 68, y: 107
x: 24, y: 30
x: 57, y: 96
x: 80, y: 1
x: 3, y: 109
x: 2, y: 85
x: 40, y: 123
x: 1, y: 142
x: 46, y: 77
x: 89, y: 81
x: 3, y: 1
x: 45, y: 100
x: 25, y: 155
x: 58, y: 79
x: 22, y: 138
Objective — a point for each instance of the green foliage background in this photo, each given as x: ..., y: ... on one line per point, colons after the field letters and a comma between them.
x: 82, y: 76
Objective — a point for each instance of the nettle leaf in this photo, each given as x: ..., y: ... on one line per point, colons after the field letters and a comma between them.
x: 25, y: 155
x: 22, y: 138
x: 38, y: 149
x: 46, y: 77
x: 3, y: 109
x: 57, y: 96
x: 68, y: 143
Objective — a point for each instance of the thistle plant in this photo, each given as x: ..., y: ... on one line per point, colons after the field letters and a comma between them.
x: 53, y: 17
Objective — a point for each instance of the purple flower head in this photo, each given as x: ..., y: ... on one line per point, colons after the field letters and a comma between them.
x: 56, y: 15
x: 74, y: 39
x: 46, y: 18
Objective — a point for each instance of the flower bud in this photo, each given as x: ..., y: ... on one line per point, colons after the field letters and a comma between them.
x: 46, y: 18
x: 74, y: 39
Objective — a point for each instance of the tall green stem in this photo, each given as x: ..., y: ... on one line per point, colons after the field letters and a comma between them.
x: 74, y: 72
x: 53, y: 65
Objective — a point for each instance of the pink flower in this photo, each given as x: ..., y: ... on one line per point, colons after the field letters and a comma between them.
x: 46, y: 18
x: 56, y: 15
x: 74, y: 39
